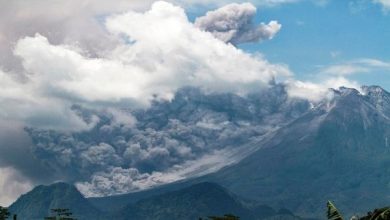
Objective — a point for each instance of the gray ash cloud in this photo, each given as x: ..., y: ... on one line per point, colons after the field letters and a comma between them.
x: 115, y: 157
x: 234, y: 23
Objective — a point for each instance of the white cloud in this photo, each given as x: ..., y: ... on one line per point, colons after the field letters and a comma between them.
x: 23, y: 102
x: 344, y: 69
x: 334, y: 76
x: 373, y: 63
x: 167, y: 52
x: 234, y: 23
x: 385, y: 4
x: 218, y: 3
x: 12, y: 184
x: 261, y: 3
x: 61, y: 22
x: 316, y: 92
x: 364, y: 65
x: 335, y: 54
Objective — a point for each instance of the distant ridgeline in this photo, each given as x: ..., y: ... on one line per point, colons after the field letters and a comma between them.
x: 200, y: 201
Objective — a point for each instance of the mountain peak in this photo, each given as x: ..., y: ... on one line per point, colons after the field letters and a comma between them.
x: 37, y: 203
x: 345, y: 91
x: 376, y: 92
x: 343, y: 143
x: 56, y: 185
x: 374, y: 89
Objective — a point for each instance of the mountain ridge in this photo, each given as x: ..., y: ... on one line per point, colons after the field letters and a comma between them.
x: 38, y: 203
x: 336, y: 151
x: 198, y: 200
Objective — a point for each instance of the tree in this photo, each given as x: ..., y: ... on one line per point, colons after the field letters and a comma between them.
x: 61, y: 214
x: 377, y: 214
x: 225, y: 217
x: 4, y: 213
x: 333, y: 213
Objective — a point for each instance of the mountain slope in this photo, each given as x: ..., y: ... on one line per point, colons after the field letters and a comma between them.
x: 38, y: 203
x: 199, y: 200
x: 190, y: 203
x: 338, y: 150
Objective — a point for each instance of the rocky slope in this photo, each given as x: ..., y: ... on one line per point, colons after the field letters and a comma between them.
x: 337, y: 151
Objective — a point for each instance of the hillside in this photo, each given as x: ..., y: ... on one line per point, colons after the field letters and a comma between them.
x: 199, y: 200
x: 337, y: 151
x: 38, y: 203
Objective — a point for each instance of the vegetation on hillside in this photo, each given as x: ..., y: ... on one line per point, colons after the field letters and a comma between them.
x: 60, y: 214
x: 377, y: 214
x: 225, y: 217
x: 4, y: 213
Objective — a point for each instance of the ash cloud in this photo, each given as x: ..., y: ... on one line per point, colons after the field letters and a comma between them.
x: 167, y: 142
x: 234, y: 23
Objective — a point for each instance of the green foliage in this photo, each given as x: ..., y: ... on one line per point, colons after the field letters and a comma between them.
x: 377, y: 214
x: 60, y: 214
x: 4, y: 213
x: 333, y: 213
x: 385, y: 215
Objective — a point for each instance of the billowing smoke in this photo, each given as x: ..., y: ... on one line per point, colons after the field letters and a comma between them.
x: 193, y: 134
x: 234, y: 23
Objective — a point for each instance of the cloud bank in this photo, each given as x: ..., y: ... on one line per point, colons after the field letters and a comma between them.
x: 60, y: 22
x: 363, y: 65
x: 316, y: 92
x: 220, y: 3
x: 233, y: 23
x: 12, y: 183
x: 148, y: 66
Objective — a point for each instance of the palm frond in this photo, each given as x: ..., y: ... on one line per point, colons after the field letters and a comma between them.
x: 333, y: 213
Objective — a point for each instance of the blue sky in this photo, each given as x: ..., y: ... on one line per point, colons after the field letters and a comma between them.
x: 316, y: 36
